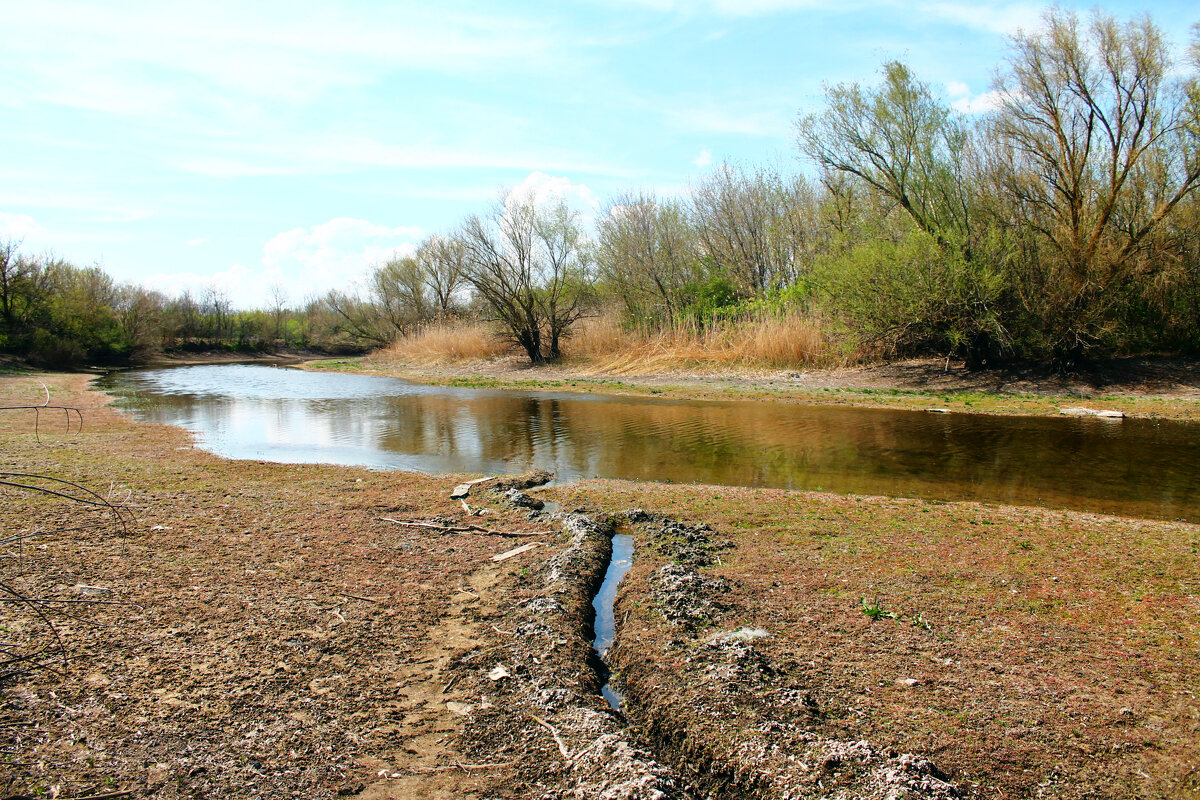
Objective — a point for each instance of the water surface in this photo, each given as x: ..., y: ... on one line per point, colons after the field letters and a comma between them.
x: 1133, y: 467
x: 604, y: 602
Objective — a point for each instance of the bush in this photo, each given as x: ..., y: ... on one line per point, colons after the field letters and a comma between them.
x: 911, y: 295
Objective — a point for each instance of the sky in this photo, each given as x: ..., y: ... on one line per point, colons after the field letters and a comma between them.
x: 246, y: 145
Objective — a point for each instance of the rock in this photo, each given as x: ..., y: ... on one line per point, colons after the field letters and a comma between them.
x: 743, y: 634
x: 1080, y: 411
x: 499, y: 673
x: 909, y: 682
x: 462, y: 709
x: 521, y: 500
x: 537, y: 477
x: 91, y: 591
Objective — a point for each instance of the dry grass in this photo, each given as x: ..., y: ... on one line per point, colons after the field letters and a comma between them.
x: 777, y: 342
x: 770, y: 341
x: 449, y: 341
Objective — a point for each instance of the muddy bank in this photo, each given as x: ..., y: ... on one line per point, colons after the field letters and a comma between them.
x: 264, y: 630
x: 779, y: 644
x: 1167, y: 388
x: 271, y: 633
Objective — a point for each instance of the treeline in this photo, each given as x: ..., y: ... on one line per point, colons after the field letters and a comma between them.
x: 56, y: 314
x: 1061, y: 224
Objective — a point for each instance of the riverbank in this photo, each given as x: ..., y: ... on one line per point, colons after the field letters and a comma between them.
x: 271, y: 634
x: 266, y: 632
x: 792, y: 644
x: 1155, y: 388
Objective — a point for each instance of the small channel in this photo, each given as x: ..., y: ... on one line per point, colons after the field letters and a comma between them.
x: 606, y: 627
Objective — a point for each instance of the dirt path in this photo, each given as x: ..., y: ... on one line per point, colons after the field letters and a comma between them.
x: 427, y: 766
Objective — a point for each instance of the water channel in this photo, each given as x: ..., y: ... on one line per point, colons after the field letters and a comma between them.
x: 1133, y: 467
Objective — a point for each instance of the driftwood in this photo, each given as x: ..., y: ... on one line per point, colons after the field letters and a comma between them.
x: 462, y: 529
x: 562, y: 748
x: 525, y: 548
x: 45, y: 406
x: 464, y: 489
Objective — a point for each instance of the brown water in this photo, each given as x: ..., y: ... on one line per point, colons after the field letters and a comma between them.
x: 1131, y: 467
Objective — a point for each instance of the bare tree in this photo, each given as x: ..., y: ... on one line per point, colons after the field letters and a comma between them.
x: 648, y: 253
x: 1095, y: 146
x: 441, y: 262
x: 278, y: 307
x: 747, y: 224
x: 530, y: 266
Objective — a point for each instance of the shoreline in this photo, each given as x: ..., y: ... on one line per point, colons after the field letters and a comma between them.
x: 1154, y: 389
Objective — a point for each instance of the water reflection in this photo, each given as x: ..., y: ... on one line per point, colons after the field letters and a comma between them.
x: 1134, y: 467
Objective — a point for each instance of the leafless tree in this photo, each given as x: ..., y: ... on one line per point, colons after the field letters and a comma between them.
x: 530, y: 265
x: 441, y: 262
x: 648, y: 253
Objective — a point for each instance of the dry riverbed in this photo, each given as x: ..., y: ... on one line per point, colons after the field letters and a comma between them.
x: 803, y: 644
x: 267, y: 633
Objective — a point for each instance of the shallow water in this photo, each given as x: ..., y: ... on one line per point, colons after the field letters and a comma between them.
x: 603, y: 602
x: 1132, y: 467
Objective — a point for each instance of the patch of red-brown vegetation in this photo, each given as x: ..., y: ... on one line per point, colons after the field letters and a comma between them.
x: 1026, y: 652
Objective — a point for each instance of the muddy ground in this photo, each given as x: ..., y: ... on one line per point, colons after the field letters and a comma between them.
x: 802, y: 644
x: 268, y: 633
x: 261, y: 630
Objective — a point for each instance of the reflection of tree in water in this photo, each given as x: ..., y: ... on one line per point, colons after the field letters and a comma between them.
x: 1135, y: 467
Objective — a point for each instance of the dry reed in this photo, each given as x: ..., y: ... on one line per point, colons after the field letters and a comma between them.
x: 449, y: 341
x: 604, y: 344
x: 770, y: 341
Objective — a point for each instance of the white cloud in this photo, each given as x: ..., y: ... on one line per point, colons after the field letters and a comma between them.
x: 966, y: 103
x: 147, y: 58
x: 203, y: 240
x: 704, y: 159
x: 307, y: 261
x: 18, y: 227
x: 324, y: 154
x: 542, y: 188
x: 1003, y: 17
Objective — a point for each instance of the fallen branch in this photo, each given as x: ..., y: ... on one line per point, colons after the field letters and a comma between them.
x: 525, y: 548
x: 562, y: 748
x: 462, y: 529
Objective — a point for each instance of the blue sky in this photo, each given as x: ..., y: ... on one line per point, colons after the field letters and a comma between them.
x: 249, y: 144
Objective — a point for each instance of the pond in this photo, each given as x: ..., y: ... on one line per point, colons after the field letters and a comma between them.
x: 1133, y: 467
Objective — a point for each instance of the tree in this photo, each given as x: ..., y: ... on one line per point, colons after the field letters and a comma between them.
x: 648, y: 253
x: 278, y: 308
x: 904, y: 143
x: 530, y: 266
x: 751, y: 226
x: 398, y: 292
x: 441, y: 263
x: 1095, y: 146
